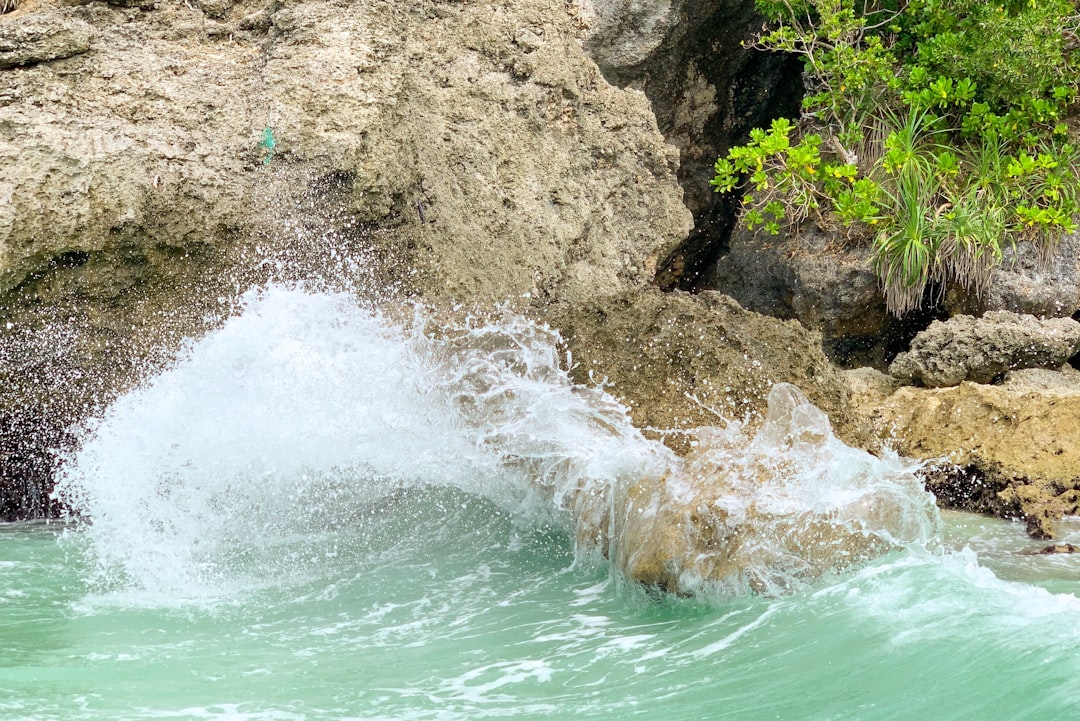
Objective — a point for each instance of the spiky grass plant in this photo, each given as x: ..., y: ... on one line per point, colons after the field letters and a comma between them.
x: 912, y: 135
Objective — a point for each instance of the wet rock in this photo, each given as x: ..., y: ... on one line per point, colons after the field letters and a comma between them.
x: 869, y: 386
x: 681, y: 361
x: 769, y: 511
x: 1010, y: 450
x: 41, y: 37
x: 983, y: 349
x: 1060, y: 548
x: 461, y: 152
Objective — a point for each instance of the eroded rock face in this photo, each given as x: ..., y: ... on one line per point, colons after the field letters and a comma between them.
x: 707, y: 88
x: 1011, y: 450
x: 31, y: 39
x: 681, y: 361
x: 982, y: 349
x: 1044, y: 284
x: 458, y: 151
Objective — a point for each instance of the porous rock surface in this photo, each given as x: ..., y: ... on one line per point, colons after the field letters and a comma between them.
x: 1012, y: 450
x: 982, y: 349
x: 1043, y: 282
x: 813, y: 278
x: 680, y: 361
x: 461, y: 151
x: 29, y: 39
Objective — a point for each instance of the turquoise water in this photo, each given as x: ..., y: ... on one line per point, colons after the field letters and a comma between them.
x: 317, y: 513
x: 443, y: 608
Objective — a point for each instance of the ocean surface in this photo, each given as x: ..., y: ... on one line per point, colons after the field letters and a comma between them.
x: 321, y: 513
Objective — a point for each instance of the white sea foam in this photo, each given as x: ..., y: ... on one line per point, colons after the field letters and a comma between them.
x: 308, y: 411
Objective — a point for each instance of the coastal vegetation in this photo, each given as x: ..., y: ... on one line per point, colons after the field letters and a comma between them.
x: 936, y: 131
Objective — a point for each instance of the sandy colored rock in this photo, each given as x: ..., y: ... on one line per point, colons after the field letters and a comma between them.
x: 681, y: 361
x: 30, y: 39
x: 1012, y: 450
x: 766, y: 511
x: 983, y: 349
x: 465, y: 152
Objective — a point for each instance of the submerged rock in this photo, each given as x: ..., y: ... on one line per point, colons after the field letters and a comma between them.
x: 983, y: 349
x: 1060, y: 548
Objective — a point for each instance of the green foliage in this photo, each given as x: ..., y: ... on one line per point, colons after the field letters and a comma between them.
x: 933, y: 129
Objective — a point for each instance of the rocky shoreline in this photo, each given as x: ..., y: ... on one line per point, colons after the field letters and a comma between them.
x: 157, y: 158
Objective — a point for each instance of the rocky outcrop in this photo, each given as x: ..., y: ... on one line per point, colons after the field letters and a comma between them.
x: 681, y: 361
x: 31, y: 39
x: 707, y: 88
x: 456, y: 151
x: 830, y: 287
x: 1012, y: 450
x: 1041, y: 283
x: 983, y: 349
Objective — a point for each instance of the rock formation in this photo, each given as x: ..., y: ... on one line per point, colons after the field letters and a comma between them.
x: 680, y: 361
x: 456, y: 150
x: 707, y: 90
x: 982, y: 349
x: 1012, y: 450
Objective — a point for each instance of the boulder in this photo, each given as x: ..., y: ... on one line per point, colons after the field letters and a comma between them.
x: 983, y: 349
x: 680, y: 361
x: 1011, y: 450
x: 767, y: 511
x: 813, y: 277
x: 1045, y: 283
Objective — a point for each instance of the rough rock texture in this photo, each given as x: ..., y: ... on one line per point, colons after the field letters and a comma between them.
x: 748, y: 513
x: 465, y: 151
x: 707, y: 89
x: 827, y: 286
x: 982, y: 349
x: 831, y: 286
x: 1046, y: 285
x: 452, y: 123
x: 682, y: 361
x: 30, y: 39
x: 1012, y: 450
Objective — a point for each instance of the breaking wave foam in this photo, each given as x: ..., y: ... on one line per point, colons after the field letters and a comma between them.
x: 307, y: 410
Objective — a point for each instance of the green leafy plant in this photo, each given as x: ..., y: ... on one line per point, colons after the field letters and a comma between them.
x: 925, y: 133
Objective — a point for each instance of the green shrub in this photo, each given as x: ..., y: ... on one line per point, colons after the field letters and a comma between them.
x: 926, y: 132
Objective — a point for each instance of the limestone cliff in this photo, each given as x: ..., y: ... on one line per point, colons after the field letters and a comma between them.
x: 165, y: 155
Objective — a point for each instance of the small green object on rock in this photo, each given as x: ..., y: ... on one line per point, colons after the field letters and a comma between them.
x: 268, y: 144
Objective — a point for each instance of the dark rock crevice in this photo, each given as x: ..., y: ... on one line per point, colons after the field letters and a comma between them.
x: 707, y: 91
